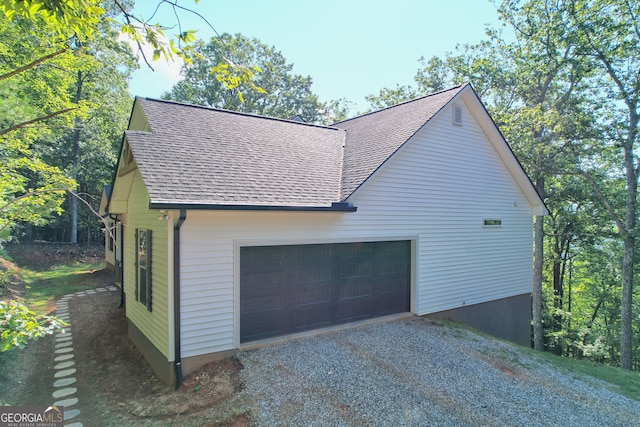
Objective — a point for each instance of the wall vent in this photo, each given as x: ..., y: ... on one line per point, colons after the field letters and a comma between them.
x: 457, y: 115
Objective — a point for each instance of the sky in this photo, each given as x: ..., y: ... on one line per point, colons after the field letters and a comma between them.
x: 350, y: 48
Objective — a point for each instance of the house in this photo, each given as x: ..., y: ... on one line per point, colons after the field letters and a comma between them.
x: 238, y: 229
x: 113, y: 238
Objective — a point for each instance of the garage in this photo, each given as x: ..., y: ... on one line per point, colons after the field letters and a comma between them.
x: 294, y: 288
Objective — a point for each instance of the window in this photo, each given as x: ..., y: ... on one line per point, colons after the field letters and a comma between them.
x: 143, y: 267
x: 492, y: 222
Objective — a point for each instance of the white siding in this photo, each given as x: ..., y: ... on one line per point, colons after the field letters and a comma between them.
x: 435, y: 191
x: 441, y: 186
x: 154, y: 324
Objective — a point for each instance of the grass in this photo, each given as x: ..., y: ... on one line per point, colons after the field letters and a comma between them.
x: 619, y: 380
x: 626, y: 383
x: 41, y: 288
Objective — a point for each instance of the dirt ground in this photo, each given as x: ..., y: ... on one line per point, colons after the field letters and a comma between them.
x: 116, y: 386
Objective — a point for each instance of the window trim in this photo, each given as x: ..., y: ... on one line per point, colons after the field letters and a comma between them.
x: 147, y: 269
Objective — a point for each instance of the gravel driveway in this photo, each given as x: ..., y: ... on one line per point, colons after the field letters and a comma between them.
x: 412, y: 372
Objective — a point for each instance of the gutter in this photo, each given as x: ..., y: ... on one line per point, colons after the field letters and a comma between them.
x: 176, y: 297
x: 335, y: 207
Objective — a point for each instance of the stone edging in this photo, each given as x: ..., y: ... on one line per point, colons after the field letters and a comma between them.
x: 64, y: 376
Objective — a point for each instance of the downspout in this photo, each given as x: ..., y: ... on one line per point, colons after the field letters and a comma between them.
x: 176, y: 297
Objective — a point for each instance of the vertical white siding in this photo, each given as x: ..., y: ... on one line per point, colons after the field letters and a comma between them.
x: 435, y: 191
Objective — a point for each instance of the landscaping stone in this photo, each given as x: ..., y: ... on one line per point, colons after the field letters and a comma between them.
x: 63, y: 357
x: 66, y: 402
x: 63, y: 350
x: 64, y: 382
x: 64, y: 392
x: 64, y: 365
x: 64, y: 373
x: 71, y: 413
x: 64, y: 344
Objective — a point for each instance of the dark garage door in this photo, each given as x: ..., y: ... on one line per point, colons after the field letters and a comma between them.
x: 294, y: 288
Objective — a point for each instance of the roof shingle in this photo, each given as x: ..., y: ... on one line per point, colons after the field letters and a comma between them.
x: 204, y: 156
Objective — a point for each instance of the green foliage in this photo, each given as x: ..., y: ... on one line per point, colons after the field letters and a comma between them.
x: 85, y: 80
x: 31, y: 190
x: 19, y: 325
x: 233, y: 76
x: 275, y: 90
x: 63, y: 17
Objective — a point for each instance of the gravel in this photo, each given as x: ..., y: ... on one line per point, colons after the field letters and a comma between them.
x: 414, y: 373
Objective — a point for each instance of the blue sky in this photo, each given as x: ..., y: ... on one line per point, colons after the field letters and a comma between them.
x: 350, y: 48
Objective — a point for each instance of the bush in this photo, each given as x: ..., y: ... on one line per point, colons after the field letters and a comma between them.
x: 19, y: 324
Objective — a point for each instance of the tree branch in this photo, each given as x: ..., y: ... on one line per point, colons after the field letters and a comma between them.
x: 32, y: 64
x: 606, y: 203
x: 38, y: 119
x: 58, y: 190
x: 127, y: 16
x: 32, y: 193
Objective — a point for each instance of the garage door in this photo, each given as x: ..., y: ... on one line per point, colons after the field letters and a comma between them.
x: 294, y: 288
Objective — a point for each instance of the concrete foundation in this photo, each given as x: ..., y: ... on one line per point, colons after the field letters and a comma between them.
x: 508, y: 318
x: 158, y: 362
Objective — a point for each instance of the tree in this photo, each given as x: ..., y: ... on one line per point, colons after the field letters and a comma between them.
x: 609, y: 33
x: 544, y: 124
x: 87, y: 150
x: 30, y: 189
x: 38, y: 65
x: 532, y: 86
x: 59, y: 26
x: 283, y: 94
x: 82, y: 18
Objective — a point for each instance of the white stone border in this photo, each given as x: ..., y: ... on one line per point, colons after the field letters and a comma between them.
x: 64, y: 376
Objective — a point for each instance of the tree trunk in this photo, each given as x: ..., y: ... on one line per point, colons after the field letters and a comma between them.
x: 626, y: 315
x: 73, y: 202
x: 538, y: 335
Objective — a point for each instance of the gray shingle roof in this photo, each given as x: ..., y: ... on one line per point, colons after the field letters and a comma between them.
x: 198, y: 155
x: 374, y: 137
x: 202, y: 156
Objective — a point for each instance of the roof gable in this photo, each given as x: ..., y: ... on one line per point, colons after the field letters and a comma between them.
x: 192, y: 156
x: 375, y: 137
